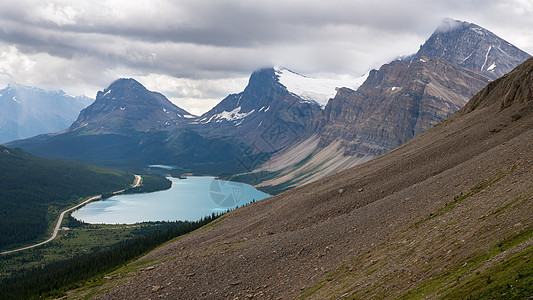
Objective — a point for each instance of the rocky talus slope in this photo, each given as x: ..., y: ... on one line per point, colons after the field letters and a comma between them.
x: 446, y: 211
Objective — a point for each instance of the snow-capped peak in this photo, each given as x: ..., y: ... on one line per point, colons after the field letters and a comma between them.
x: 319, y: 90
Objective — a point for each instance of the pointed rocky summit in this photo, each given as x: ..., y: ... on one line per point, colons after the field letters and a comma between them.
x: 128, y: 105
x: 472, y: 47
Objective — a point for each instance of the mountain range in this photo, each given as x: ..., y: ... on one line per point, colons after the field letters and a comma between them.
x: 446, y: 215
x: 416, y: 183
x: 29, y: 111
x: 401, y: 100
x: 286, y: 129
x: 129, y: 125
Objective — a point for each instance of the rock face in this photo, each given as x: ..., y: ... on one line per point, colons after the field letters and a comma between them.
x: 28, y: 111
x: 128, y: 105
x: 472, y: 47
x: 406, y: 97
x: 265, y: 117
x: 396, y: 103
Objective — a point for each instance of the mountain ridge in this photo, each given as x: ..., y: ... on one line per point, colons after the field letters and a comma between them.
x: 28, y: 111
x: 399, y: 101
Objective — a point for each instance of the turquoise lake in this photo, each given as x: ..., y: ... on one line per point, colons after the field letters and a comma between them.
x: 188, y: 199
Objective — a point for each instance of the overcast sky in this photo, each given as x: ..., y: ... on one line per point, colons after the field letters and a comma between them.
x: 196, y: 52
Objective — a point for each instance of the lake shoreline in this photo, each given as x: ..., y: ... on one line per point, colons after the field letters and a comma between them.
x: 188, y: 199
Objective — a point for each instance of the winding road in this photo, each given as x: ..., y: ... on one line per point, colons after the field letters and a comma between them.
x: 136, y: 183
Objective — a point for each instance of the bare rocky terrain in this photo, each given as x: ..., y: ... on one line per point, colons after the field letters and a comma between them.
x: 424, y: 220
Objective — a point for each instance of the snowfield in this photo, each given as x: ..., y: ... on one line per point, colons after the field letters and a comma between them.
x: 319, y: 90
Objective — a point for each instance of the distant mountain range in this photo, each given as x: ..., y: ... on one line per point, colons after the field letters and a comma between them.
x: 129, y: 125
x: 286, y: 129
x: 29, y: 111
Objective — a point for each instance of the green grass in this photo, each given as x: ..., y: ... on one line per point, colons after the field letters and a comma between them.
x: 310, y: 292
x: 450, y: 284
x: 513, y: 279
x: 459, y: 198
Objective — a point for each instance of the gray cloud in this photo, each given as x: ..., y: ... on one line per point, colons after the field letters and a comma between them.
x: 189, y: 49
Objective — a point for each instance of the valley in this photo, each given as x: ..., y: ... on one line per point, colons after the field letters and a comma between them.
x: 447, y: 211
x: 59, y: 222
x: 255, y: 134
x: 411, y: 181
x: 35, y: 190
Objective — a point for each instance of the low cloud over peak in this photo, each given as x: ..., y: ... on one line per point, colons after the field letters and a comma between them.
x: 196, y: 52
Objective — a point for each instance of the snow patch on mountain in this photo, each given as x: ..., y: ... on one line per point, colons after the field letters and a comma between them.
x: 229, y: 115
x: 265, y: 108
x: 478, y: 30
x: 319, y: 90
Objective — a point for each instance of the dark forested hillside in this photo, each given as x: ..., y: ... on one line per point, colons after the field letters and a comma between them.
x: 34, y: 190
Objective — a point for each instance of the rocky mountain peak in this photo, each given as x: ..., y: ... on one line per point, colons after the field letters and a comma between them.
x: 265, y: 115
x: 123, y: 90
x: 448, y: 25
x: 472, y: 47
x: 125, y: 105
